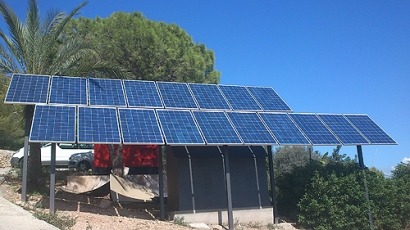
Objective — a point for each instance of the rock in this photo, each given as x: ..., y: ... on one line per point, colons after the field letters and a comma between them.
x: 198, y: 226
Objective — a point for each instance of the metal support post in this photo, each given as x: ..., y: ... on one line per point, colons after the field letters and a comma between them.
x: 272, y: 185
x: 362, y: 169
x: 27, y: 125
x: 53, y: 178
x: 161, y: 183
x: 228, y: 187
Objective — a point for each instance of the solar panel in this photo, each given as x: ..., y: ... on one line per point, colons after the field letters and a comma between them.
x: 285, y: 131
x: 179, y: 127
x: 68, y: 90
x: 106, y: 92
x: 343, y: 129
x: 370, y: 130
x: 251, y: 129
x: 268, y: 99
x: 140, y: 126
x: 142, y: 94
x: 314, y: 129
x: 98, y: 125
x: 239, y: 98
x: 176, y: 95
x: 28, y: 89
x: 53, y: 124
x: 216, y: 128
x: 208, y: 96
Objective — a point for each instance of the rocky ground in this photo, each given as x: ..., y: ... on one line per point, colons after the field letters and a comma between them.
x: 85, y: 212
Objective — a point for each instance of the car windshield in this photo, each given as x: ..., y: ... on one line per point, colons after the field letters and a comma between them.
x: 70, y: 146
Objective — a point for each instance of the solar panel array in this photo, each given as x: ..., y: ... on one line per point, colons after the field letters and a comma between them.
x: 35, y: 89
x: 91, y: 110
x: 194, y: 127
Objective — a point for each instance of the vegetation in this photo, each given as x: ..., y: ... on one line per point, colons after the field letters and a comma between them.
x: 11, y: 121
x: 329, y: 193
x: 149, y: 50
x: 60, y: 221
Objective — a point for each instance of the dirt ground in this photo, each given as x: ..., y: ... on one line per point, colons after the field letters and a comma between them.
x: 98, y: 212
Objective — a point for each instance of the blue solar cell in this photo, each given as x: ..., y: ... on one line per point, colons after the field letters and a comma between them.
x: 142, y: 94
x: 98, y: 125
x: 53, y: 124
x: 239, y: 98
x: 251, y: 129
x: 314, y: 129
x: 28, y: 89
x: 106, y: 92
x: 370, y: 130
x: 285, y: 131
x: 216, y: 128
x: 140, y: 126
x: 176, y: 95
x: 268, y: 99
x: 343, y: 129
x: 179, y: 127
x: 208, y: 96
x: 68, y: 90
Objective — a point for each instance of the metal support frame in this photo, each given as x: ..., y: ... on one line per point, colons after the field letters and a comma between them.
x: 27, y: 125
x: 161, y: 183
x: 228, y: 186
x: 191, y: 180
x: 272, y: 185
x: 53, y: 178
x: 362, y: 169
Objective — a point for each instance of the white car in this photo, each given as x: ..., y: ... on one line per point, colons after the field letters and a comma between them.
x: 63, y: 154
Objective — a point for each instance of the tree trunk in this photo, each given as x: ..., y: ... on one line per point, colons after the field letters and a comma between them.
x: 34, y: 178
x: 116, y: 160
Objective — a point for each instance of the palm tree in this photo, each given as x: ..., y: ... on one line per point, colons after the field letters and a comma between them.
x: 39, y: 46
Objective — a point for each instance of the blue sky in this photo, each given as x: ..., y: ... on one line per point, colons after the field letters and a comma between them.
x: 320, y: 56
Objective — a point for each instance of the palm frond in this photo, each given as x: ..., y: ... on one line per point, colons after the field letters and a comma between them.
x: 59, y: 25
x: 15, y: 27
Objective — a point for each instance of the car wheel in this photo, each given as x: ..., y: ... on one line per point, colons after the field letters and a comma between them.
x: 21, y: 162
x: 83, y: 166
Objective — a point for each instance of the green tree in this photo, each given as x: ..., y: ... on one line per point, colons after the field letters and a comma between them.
x: 39, y: 46
x: 401, y: 204
x: 148, y: 50
x: 334, y: 202
x: 11, y: 121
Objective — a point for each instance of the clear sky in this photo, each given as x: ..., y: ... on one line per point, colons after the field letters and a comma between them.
x: 320, y: 56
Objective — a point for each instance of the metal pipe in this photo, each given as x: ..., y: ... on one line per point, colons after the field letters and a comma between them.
x: 272, y: 185
x: 362, y: 169
x: 53, y: 178
x: 27, y: 125
x: 161, y: 183
x: 228, y: 187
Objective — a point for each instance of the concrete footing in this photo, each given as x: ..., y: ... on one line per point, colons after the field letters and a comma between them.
x: 262, y: 216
